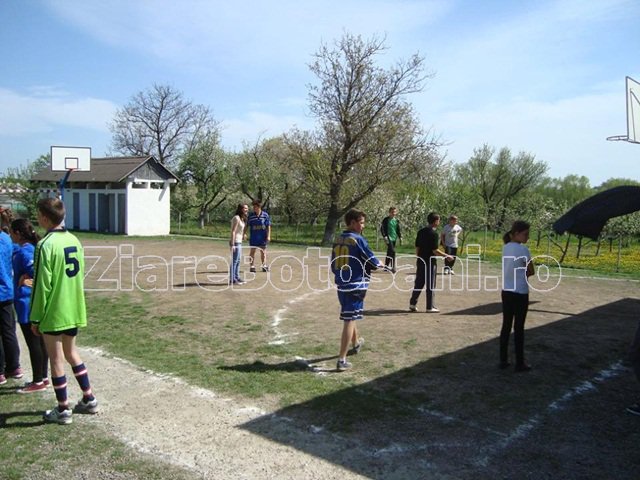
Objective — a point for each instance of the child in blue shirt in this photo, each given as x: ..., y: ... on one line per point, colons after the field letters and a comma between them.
x: 25, y: 240
x: 351, y: 260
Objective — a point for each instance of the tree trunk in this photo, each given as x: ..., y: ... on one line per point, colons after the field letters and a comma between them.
x: 330, y: 227
x: 579, y: 247
x: 566, y: 249
x: 201, y: 215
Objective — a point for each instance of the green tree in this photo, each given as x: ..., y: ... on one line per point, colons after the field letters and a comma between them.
x: 25, y: 191
x: 205, y: 174
x: 616, y: 182
x: 497, y: 180
x: 258, y: 172
x: 368, y: 132
x: 569, y: 190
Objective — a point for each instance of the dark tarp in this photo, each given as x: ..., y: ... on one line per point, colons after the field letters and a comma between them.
x: 589, y: 217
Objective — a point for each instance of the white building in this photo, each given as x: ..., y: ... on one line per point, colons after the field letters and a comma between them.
x: 125, y: 195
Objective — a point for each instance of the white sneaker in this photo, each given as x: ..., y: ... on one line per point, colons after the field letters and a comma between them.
x: 86, y: 407
x: 56, y: 416
x: 413, y: 308
x: 433, y: 310
x: 343, y: 365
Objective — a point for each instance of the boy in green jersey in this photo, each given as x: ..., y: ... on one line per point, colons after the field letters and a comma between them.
x: 390, y: 230
x: 58, y: 307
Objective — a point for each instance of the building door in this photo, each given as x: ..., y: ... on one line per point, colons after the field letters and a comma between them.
x: 122, y: 213
x: 104, y: 213
x: 92, y: 212
x: 75, y: 224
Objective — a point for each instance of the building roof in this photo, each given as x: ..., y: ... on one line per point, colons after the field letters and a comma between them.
x: 113, y: 170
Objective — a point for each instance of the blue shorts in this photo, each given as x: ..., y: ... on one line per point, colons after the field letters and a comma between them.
x: 351, y: 304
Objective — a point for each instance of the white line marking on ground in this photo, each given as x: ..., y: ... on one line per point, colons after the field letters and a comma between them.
x: 522, y: 430
x: 279, y: 337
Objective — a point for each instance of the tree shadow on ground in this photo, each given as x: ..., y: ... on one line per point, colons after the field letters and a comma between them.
x: 457, y: 415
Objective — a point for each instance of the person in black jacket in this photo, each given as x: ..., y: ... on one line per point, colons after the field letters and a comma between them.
x: 391, y: 233
x: 427, y: 242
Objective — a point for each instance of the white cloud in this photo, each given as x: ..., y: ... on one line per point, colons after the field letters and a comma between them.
x: 46, y: 108
x: 252, y: 33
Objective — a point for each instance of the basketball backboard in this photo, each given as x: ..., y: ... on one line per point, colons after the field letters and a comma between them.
x: 633, y: 113
x: 64, y: 159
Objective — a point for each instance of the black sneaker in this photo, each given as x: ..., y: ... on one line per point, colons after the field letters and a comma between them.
x: 523, y: 367
x: 635, y: 408
x: 265, y: 268
x: 252, y: 269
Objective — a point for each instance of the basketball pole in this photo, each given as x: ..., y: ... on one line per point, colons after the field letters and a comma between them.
x: 63, y: 181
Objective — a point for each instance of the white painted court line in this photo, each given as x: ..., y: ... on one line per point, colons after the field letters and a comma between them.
x: 523, y: 430
x: 280, y: 338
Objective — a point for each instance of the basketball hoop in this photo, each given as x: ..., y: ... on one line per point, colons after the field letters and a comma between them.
x: 633, y: 114
x: 67, y: 160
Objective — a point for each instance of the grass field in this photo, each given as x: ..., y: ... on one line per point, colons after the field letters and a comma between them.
x: 424, y: 400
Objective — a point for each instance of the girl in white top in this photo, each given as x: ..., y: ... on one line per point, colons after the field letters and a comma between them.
x: 516, y: 268
x: 238, y: 233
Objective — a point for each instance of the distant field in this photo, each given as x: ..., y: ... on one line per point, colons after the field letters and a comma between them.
x: 604, y: 261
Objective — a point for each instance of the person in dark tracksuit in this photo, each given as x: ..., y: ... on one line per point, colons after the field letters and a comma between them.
x: 427, y: 242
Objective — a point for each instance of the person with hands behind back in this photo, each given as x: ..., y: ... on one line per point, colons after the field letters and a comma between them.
x: 58, y: 308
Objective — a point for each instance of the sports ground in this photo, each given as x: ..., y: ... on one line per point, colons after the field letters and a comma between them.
x: 424, y: 399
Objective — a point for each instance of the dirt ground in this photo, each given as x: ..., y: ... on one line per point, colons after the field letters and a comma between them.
x: 463, y: 418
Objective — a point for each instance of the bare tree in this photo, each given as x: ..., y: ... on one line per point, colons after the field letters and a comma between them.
x: 368, y: 132
x: 160, y: 122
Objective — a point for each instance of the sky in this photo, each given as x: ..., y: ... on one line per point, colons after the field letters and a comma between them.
x: 538, y: 76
